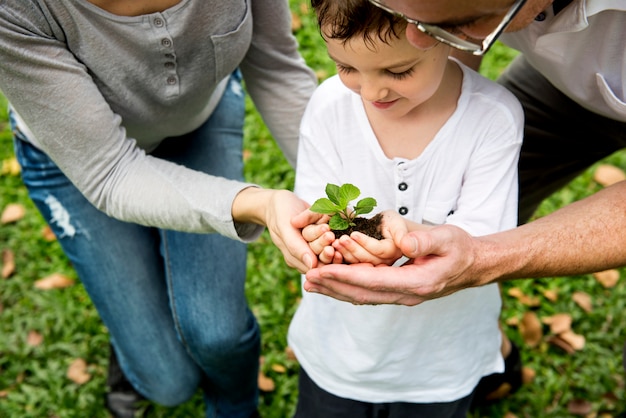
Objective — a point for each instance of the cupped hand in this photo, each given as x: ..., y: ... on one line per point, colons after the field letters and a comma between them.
x: 442, y: 262
x: 284, y: 205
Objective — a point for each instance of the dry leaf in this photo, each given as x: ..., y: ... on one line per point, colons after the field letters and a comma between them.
x: 4, y: 393
x: 290, y: 354
x: 576, y: 341
x: 34, y: 338
x: 279, y: 368
x: 551, y: 295
x: 524, y: 299
x: 296, y: 22
x: 8, y: 263
x: 47, y: 234
x: 561, y: 343
x: 583, y: 300
x: 77, y: 372
x: 607, y: 175
x: 607, y: 278
x: 558, y: 323
x: 54, y: 281
x: 513, y: 321
x: 579, y: 407
x: 11, y: 167
x: 509, y: 415
x: 528, y: 375
x: 266, y: 384
x: 530, y: 329
x: 13, y: 212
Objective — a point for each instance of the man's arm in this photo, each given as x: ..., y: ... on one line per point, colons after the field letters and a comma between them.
x: 583, y: 237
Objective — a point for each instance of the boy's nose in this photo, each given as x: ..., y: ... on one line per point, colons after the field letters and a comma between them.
x: 372, y: 92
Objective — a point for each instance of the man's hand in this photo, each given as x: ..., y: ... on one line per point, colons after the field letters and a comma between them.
x: 441, y: 261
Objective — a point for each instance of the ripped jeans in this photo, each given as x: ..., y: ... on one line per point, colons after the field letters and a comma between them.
x: 173, y: 302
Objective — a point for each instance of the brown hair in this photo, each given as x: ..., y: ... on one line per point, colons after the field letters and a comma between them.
x: 346, y: 19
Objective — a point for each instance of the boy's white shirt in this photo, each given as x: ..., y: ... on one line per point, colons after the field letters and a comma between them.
x: 467, y: 176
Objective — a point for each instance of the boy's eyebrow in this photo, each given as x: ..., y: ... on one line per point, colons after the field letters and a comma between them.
x: 394, y: 65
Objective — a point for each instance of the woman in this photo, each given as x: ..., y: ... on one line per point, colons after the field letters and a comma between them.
x: 128, y: 125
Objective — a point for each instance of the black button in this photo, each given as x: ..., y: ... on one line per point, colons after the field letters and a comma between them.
x: 403, y: 186
x: 403, y: 210
x: 171, y: 80
x: 166, y: 42
x: 540, y: 17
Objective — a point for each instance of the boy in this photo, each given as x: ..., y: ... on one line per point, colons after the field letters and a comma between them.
x: 436, y: 143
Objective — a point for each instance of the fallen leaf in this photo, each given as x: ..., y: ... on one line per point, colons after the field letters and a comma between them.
x: 47, y: 234
x: 509, y: 415
x: 577, y: 341
x: 607, y: 278
x: 583, y: 300
x: 13, y: 212
x: 266, y: 384
x: 528, y: 375
x: 11, y: 167
x: 530, y: 329
x: 279, y: 368
x: 8, y: 263
x: 513, y: 321
x: 561, y: 343
x: 558, y: 323
x: 607, y: 175
x: 551, y: 295
x: 34, y: 338
x: 523, y: 298
x: 4, y: 393
x: 296, y: 22
x: 77, y: 372
x: 579, y: 407
x: 290, y: 354
x: 54, y: 281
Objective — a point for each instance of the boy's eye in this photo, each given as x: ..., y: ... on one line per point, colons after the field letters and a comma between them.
x: 401, y: 75
x: 344, y: 69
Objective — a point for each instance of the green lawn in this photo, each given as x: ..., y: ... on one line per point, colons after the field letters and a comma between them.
x: 33, y: 380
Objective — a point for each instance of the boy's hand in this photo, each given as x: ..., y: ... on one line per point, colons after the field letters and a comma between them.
x: 361, y: 248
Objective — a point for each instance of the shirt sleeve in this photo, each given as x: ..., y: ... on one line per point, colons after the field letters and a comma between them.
x: 277, y: 78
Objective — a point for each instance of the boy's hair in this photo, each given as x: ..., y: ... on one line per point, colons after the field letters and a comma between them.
x: 346, y: 19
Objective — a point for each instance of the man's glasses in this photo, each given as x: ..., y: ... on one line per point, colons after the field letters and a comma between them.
x: 448, y: 38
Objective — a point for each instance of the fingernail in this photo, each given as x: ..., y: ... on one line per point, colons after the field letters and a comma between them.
x: 412, y: 244
x: 306, y: 259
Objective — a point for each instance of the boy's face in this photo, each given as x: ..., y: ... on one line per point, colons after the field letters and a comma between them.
x: 391, y: 77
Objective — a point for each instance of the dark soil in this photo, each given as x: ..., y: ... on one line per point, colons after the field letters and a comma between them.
x: 366, y: 226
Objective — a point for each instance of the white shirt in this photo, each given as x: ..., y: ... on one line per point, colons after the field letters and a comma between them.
x: 467, y: 176
x: 582, y: 52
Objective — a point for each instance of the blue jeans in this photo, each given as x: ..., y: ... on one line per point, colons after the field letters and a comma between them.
x: 173, y: 302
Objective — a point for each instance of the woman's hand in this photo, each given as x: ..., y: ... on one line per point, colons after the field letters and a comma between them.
x: 274, y: 209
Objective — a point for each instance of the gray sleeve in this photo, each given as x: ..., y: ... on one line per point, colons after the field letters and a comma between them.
x: 277, y: 78
x: 56, y: 97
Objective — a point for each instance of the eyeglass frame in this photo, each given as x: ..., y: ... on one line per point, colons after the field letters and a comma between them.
x: 434, y: 31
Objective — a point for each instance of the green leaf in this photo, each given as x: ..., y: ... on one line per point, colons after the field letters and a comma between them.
x: 338, y: 223
x: 365, y: 205
x: 348, y: 192
x: 332, y: 191
x: 324, y: 206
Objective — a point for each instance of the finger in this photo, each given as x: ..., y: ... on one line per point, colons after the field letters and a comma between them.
x: 305, y: 218
x: 327, y: 255
x: 319, y: 282
x: 313, y: 232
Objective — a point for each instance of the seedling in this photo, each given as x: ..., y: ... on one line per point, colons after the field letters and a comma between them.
x: 336, y: 205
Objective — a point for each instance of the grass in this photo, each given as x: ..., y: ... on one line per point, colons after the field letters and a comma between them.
x: 33, y: 380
